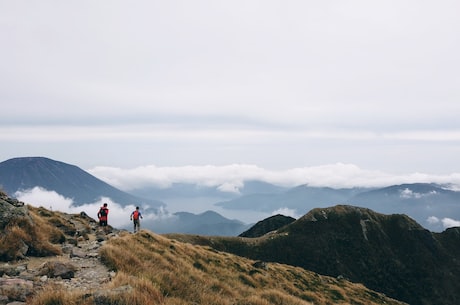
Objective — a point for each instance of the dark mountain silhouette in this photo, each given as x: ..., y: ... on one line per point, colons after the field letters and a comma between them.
x: 392, y: 254
x: 301, y: 198
x: 267, y: 225
x: 207, y: 223
x: 418, y: 200
x: 70, y: 181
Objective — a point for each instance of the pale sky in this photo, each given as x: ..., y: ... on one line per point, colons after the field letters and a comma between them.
x: 372, y: 87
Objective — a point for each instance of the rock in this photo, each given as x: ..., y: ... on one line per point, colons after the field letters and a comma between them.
x: 3, y: 300
x: 16, y: 289
x: 14, y: 202
x: 101, y: 236
x: 54, y: 269
x: 260, y: 265
x: 75, y: 252
x: 10, y: 210
x: 67, y: 248
x: 22, y: 251
x: 93, y: 255
x: 72, y: 241
x: 9, y: 270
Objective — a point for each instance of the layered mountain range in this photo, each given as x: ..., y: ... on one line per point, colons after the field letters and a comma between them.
x: 429, y: 204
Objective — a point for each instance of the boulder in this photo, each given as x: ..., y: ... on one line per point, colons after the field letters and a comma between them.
x: 58, y: 269
x: 16, y: 289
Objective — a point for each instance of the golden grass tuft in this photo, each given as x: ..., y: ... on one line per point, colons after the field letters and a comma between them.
x: 53, y: 295
x: 24, y: 237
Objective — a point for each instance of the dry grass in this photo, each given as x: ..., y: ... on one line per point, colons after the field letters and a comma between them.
x: 52, y: 295
x: 29, y: 235
x: 181, y: 273
x: 152, y: 269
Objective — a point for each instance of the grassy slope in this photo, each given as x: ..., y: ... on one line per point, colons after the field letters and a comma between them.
x: 181, y: 273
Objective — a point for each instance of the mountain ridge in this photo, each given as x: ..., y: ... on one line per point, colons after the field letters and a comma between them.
x: 392, y: 253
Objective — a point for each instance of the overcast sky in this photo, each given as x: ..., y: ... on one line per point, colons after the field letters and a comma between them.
x: 367, y: 87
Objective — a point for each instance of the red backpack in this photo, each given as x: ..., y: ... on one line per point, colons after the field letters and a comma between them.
x: 136, y: 215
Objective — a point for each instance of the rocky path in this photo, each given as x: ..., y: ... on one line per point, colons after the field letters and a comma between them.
x: 89, y: 272
x: 79, y: 269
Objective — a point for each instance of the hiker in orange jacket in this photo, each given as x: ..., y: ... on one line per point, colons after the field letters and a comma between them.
x: 135, y: 215
x: 103, y: 215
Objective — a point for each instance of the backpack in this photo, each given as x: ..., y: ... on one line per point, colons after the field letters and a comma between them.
x: 103, y: 212
x: 136, y: 215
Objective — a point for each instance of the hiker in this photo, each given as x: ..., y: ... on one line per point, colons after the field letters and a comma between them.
x: 135, y: 215
x: 102, y: 215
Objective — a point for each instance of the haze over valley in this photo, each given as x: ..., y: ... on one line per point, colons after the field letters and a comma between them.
x: 184, y: 204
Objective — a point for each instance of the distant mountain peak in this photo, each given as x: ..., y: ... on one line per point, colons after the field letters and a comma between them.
x: 267, y: 225
x: 70, y: 181
x: 340, y: 213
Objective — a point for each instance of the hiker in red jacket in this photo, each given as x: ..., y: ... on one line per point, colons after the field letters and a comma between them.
x: 103, y: 215
x: 135, y: 215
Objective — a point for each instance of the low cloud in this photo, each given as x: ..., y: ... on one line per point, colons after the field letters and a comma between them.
x: 409, y: 194
x: 118, y: 215
x: 230, y: 178
x: 449, y: 223
x: 286, y: 212
x: 433, y: 220
x: 445, y: 222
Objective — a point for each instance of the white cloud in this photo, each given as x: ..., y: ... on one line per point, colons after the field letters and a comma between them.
x: 449, y: 222
x: 432, y: 220
x: 39, y: 196
x: 232, y: 177
x: 286, y: 212
x: 408, y: 194
x: 229, y: 187
x: 446, y: 222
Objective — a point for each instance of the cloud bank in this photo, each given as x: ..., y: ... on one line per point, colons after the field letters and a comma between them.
x: 230, y: 178
x: 445, y: 222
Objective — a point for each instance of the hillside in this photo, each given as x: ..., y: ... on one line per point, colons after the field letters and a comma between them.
x: 70, y: 261
x: 389, y: 253
x: 267, y: 225
x: 20, y: 174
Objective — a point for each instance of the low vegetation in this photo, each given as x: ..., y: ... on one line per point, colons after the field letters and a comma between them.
x: 29, y: 235
x: 152, y: 269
